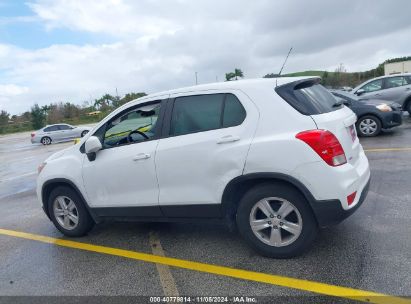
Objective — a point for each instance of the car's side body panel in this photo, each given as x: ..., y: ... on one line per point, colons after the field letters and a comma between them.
x: 193, y: 169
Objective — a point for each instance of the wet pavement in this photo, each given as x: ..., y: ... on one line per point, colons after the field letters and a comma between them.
x: 371, y: 250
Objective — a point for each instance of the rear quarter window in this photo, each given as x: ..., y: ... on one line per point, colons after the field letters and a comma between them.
x: 308, y: 97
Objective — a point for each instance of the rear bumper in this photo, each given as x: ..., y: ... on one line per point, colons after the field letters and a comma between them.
x: 330, y: 212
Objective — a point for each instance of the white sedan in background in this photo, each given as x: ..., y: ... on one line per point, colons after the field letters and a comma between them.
x: 58, y: 133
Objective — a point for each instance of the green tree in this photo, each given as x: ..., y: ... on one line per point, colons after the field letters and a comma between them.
x: 238, y: 73
x: 271, y: 75
x: 229, y: 76
x: 37, y: 117
x: 131, y: 96
x: 4, y: 118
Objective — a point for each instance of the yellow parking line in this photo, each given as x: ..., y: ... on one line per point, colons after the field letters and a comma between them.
x: 310, y: 286
x: 166, y: 278
x: 386, y: 149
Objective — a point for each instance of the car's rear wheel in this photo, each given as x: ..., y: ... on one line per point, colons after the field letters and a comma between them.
x: 46, y: 140
x: 368, y: 126
x: 68, y: 212
x: 84, y: 133
x: 276, y: 220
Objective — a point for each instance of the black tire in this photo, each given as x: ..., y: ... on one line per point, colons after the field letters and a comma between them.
x: 84, y: 133
x: 85, y: 222
x: 309, y: 224
x: 46, y: 140
x: 369, y: 118
x: 408, y: 107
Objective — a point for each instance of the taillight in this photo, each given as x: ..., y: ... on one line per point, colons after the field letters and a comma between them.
x: 326, y: 145
x: 33, y: 134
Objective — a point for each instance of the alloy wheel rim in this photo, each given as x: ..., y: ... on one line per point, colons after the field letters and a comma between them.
x: 65, y: 212
x: 275, y: 221
x: 368, y: 126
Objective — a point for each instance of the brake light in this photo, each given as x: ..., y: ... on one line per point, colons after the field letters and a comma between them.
x: 326, y: 145
x: 351, y: 197
x: 33, y: 134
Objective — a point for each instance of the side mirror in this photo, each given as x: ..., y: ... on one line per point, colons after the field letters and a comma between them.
x: 360, y: 92
x: 91, y: 146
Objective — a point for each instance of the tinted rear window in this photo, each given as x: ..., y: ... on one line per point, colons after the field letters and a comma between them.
x: 50, y: 129
x: 308, y: 97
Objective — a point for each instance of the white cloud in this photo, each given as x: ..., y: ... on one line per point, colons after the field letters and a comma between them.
x: 7, y: 90
x: 114, y: 17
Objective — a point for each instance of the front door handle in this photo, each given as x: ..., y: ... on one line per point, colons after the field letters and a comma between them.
x: 228, y: 139
x: 141, y: 156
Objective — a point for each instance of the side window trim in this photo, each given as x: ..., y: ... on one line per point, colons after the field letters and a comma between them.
x: 169, y: 115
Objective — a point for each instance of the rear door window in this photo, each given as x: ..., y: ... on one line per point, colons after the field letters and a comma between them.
x: 64, y: 127
x: 234, y: 112
x: 199, y: 113
x: 308, y: 97
x: 51, y: 129
x: 393, y: 82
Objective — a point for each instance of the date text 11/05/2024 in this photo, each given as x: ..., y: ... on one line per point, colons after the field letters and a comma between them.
x: 200, y: 299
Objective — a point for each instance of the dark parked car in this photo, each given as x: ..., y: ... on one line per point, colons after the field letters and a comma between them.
x: 373, y: 115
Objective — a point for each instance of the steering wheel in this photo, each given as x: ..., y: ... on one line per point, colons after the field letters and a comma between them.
x: 129, y: 139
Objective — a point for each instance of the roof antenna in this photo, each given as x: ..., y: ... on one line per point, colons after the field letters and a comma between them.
x: 279, y: 74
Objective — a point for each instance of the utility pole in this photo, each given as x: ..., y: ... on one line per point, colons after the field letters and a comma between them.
x: 196, y: 78
x: 216, y: 79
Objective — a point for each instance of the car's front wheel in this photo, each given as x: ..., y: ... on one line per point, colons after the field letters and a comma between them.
x: 368, y: 126
x: 276, y: 220
x: 68, y: 212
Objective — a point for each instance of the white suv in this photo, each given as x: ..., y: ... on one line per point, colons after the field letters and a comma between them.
x: 280, y: 157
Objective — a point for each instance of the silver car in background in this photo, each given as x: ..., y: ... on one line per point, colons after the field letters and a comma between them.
x: 395, y: 88
x: 58, y: 133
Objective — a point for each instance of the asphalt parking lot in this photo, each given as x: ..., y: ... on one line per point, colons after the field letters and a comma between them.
x: 370, y: 251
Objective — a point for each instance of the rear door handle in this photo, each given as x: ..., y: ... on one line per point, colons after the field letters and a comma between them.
x: 141, y: 156
x: 228, y: 139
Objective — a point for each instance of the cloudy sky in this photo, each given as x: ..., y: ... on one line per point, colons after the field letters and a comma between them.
x: 76, y: 50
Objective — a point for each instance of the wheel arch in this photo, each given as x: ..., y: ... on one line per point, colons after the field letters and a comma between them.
x: 407, y: 103
x: 50, y: 185
x: 369, y: 114
x: 237, y: 187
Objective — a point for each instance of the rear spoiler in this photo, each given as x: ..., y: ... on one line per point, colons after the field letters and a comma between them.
x: 302, y: 83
